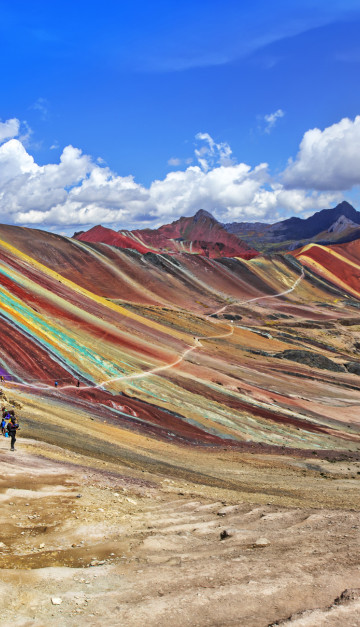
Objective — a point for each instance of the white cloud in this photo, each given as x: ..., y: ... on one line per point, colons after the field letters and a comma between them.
x: 79, y: 191
x: 174, y: 162
x: 271, y: 119
x: 14, y: 128
x: 209, y: 153
x: 26, y: 186
x: 26, y: 132
x: 328, y: 159
x: 9, y: 129
x: 220, y: 190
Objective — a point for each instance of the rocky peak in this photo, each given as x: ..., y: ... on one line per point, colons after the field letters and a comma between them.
x: 203, y: 214
x: 345, y: 205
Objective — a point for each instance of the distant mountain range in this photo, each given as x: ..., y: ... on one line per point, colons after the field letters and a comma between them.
x: 203, y: 235
x: 329, y: 226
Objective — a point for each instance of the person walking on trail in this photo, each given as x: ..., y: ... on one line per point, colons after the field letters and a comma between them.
x: 78, y: 384
x: 12, y: 428
x: 7, y: 413
x: 3, y: 425
x: 56, y: 384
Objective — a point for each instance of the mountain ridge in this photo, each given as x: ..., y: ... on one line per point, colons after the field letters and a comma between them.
x: 295, y: 232
x: 200, y: 234
x: 203, y: 234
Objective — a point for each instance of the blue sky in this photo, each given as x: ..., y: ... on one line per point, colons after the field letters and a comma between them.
x: 168, y: 102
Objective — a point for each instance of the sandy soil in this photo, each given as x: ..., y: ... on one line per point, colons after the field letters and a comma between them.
x: 125, y: 547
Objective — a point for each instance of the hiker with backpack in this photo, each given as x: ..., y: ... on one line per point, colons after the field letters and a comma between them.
x: 12, y: 428
x: 3, y: 425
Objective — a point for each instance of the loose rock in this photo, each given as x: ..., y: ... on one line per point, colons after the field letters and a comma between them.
x: 262, y: 542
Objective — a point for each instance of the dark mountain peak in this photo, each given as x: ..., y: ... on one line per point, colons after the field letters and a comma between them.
x: 203, y: 214
x: 340, y: 221
x: 343, y: 208
x: 345, y: 205
x: 300, y: 228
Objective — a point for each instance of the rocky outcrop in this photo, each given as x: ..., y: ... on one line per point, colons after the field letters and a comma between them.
x: 353, y: 367
x: 308, y: 358
x: 342, y: 224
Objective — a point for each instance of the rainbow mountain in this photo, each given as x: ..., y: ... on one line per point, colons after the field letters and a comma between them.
x: 182, y: 348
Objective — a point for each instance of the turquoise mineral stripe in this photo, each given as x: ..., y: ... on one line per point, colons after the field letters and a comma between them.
x: 60, y: 337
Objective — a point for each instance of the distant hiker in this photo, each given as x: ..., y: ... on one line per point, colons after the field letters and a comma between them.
x: 78, y: 384
x: 2, y: 379
x: 3, y: 425
x: 56, y: 384
x: 12, y: 427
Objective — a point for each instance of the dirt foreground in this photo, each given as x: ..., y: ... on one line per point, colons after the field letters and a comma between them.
x: 86, y: 542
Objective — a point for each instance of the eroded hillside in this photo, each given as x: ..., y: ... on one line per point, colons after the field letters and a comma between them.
x: 213, y: 442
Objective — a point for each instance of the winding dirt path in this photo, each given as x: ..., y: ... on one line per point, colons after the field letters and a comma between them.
x: 187, y: 351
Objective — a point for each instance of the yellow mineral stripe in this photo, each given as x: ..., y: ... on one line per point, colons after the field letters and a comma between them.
x: 331, y: 252
x: 305, y: 260
x: 94, y: 297
x: 31, y: 325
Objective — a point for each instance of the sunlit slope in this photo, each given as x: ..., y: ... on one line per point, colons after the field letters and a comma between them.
x: 350, y: 251
x: 185, y: 281
x: 180, y: 348
x: 338, y: 264
x: 53, y: 325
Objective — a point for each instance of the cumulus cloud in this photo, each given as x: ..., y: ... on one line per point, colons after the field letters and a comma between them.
x: 14, y: 128
x: 328, y: 159
x: 79, y: 191
x: 271, y: 119
x: 9, y: 129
